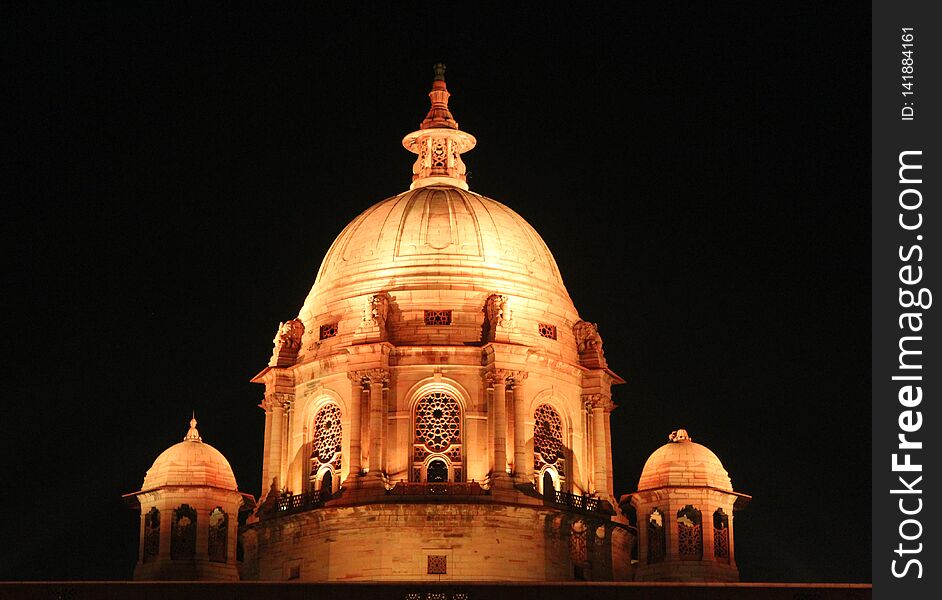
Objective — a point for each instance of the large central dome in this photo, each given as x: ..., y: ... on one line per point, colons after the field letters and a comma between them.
x: 439, y: 247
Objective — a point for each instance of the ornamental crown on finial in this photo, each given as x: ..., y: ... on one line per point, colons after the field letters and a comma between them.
x: 192, y: 435
x: 679, y: 436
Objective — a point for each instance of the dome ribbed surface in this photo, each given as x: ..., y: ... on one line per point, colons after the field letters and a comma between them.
x: 190, y: 463
x: 684, y: 464
x: 439, y: 247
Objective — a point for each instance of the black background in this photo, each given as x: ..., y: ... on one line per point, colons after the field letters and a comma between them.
x: 177, y: 173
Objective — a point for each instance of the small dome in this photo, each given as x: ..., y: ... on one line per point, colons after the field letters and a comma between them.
x: 191, y: 463
x: 682, y: 462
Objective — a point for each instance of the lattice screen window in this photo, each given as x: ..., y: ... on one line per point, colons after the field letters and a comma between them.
x: 183, y: 533
x: 328, y: 331
x: 437, y: 421
x: 151, y: 534
x: 548, y: 331
x: 437, y: 565
x: 438, y: 317
x: 327, y: 438
x: 437, y: 434
x: 218, y: 535
x: 657, y: 542
x: 547, y: 438
x: 721, y: 535
x: 690, y: 533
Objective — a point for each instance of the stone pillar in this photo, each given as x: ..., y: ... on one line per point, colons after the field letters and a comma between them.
x: 356, y: 398
x: 496, y: 379
x: 609, y: 470
x: 523, y: 468
x: 706, y: 509
x: 266, y: 480
x: 599, y: 404
x: 275, y: 448
x: 378, y: 380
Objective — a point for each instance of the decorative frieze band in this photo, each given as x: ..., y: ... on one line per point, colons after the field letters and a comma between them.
x: 368, y: 376
x: 592, y: 401
x: 505, y: 376
x: 274, y: 400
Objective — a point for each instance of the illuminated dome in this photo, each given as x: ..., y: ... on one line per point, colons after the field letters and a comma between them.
x: 439, y: 374
x: 190, y: 463
x: 439, y: 246
x: 683, y: 462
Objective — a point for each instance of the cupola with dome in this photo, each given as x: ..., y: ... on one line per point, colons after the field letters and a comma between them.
x: 189, y: 505
x: 685, y: 503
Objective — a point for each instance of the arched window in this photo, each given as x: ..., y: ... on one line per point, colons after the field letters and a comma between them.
x: 549, y: 485
x: 657, y: 542
x: 183, y: 533
x: 548, y: 446
x: 437, y: 427
x: 218, y: 535
x: 151, y: 535
x: 327, y: 484
x: 690, y: 533
x: 437, y: 471
x: 721, y: 535
x: 327, y: 440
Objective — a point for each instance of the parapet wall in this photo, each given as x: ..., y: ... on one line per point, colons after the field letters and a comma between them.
x: 468, y: 541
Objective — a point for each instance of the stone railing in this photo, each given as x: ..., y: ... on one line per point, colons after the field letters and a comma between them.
x: 586, y: 503
x: 411, y: 488
x: 292, y: 503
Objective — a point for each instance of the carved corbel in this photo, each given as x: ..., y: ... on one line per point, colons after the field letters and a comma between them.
x: 287, y: 343
x: 589, y: 344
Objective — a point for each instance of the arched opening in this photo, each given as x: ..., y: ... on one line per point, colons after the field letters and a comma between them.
x: 327, y: 484
x: 690, y: 533
x: 437, y: 471
x: 218, y: 535
x: 326, y: 443
x: 721, y: 535
x: 657, y: 542
x: 549, y: 486
x: 151, y: 535
x: 437, y: 443
x: 183, y: 533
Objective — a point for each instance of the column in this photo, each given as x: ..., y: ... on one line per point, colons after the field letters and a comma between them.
x: 266, y: 480
x: 497, y: 379
x: 356, y: 397
x: 523, y: 468
x: 706, y: 509
x: 378, y: 379
x: 598, y: 447
x: 275, y: 448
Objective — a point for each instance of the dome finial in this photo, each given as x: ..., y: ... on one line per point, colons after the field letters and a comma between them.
x: 193, y: 435
x: 680, y: 435
x: 438, y: 115
x: 438, y: 141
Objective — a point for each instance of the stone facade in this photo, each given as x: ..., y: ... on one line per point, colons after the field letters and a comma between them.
x: 439, y: 411
x: 440, y: 337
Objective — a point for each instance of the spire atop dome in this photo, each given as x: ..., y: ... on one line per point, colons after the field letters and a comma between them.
x: 193, y: 435
x: 438, y: 115
x: 438, y: 141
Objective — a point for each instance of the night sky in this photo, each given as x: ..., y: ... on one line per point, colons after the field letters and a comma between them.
x: 700, y: 172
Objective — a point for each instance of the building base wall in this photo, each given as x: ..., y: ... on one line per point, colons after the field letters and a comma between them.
x: 393, y: 542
